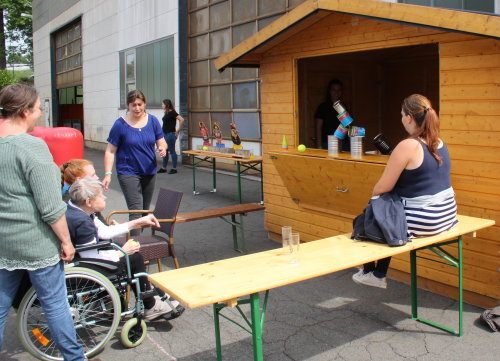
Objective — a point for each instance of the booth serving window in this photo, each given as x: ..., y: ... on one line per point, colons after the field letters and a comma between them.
x: 374, y: 86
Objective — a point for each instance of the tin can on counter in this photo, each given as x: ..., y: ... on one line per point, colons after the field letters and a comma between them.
x: 340, y: 132
x: 356, y: 147
x: 339, y: 108
x: 356, y: 131
x: 345, y: 119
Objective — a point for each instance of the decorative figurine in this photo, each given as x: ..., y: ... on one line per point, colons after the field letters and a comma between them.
x: 216, y: 132
x: 204, y: 133
x: 235, y: 137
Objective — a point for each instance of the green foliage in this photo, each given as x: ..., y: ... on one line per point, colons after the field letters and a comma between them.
x: 6, y: 78
x: 18, y: 30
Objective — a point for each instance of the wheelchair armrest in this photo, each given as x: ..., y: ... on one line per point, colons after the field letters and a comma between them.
x: 97, y: 245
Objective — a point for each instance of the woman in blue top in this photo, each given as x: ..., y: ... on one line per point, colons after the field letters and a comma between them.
x: 418, y: 170
x: 132, y: 141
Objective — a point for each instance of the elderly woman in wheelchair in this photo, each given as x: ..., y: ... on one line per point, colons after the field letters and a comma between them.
x: 97, y: 281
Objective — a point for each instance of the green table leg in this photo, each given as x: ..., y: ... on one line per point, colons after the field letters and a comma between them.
x: 460, y: 289
x: 194, y: 175
x: 238, y: 172
x: 214, y: 177
x: 258, y: 354
x: 450, y: 260
x: 413, y: 285
x: 218, y: 346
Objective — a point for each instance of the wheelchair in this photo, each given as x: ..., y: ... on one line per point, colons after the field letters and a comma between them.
x: 96, y: 296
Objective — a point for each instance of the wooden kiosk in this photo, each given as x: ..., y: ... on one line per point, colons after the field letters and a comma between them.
x: 382, y: 52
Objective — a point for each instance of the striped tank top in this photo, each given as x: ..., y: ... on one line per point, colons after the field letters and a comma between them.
x: 427, y: 195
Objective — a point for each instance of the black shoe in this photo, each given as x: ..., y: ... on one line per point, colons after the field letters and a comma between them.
x: 162, y: 170
x: 172, y: 171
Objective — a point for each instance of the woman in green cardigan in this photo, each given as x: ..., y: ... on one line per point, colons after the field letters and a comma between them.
x: 34, y: 235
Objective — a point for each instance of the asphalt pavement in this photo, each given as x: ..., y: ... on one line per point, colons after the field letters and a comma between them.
x: 326, y: 318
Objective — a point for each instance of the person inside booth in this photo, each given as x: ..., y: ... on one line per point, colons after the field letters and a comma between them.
x: 325, y: 116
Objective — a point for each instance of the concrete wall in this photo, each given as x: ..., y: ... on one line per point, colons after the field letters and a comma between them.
x: 108, y: 27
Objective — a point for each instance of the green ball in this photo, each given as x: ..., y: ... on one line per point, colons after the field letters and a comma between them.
x: 205, y: 147
x: 301, y: 148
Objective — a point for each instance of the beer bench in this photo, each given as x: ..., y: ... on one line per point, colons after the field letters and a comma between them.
x: 233, y: 211
x: 224, y: 283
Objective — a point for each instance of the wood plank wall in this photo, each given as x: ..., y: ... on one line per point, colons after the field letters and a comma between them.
x: 470, y: 124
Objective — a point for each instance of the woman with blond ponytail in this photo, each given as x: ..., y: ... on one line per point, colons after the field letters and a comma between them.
x: 418, y: 170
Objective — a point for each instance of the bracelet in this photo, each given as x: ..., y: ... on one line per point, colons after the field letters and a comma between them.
x: 108, y: 173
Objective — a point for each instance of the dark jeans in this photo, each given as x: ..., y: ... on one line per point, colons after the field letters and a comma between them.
x: 138, y: 192
x: 379, y: 269
x: 170, y: 138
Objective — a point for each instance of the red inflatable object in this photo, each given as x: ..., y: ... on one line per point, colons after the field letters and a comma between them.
x: 64, y: 143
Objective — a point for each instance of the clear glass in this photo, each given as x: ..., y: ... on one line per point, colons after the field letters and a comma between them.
x: 198, y: 47
x: 294, y: 247
x: 199, y: 72
x: 245, y: 95
x: 266, y: 6
x: 220, y: 97
x: 286, y: 234
x: 220, y: 42
x: 198, y: 21
x: 242, y: 32
x: 244, y: 11
x: 220, y: 15
x: 248, y: 125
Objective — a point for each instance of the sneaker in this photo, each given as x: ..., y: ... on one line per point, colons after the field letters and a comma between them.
x: 369, y: 279
x: 172, y: 171
x: 160, y: 308
x: 162, y: 170
x: 359, y: 273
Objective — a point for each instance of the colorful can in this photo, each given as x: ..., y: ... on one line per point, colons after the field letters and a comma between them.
x: 345, y: 119
x: 356, y: 131
x: 340, y: 132
x: 339, y: 107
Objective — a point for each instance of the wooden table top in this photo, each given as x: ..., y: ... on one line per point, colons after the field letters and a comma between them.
x: 229, y: 156
x: 231, y: 278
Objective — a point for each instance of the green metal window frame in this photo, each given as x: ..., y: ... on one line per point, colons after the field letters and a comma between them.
x: 154, y: 72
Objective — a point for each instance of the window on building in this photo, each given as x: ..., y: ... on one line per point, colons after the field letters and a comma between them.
x: 68, y: 52
x: 149, y: 68
x: 232, y: 96
x: 473, y: 5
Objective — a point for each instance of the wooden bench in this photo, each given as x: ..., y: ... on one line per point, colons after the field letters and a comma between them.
x: 233, y: 211
x: 223, y: 283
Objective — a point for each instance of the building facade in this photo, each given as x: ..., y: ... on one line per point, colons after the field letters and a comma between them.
x: 88, y: 54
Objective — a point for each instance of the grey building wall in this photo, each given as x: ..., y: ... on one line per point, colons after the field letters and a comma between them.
x: 45, y: 11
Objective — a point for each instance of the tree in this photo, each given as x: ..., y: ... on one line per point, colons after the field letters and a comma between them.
x: 16, y: 27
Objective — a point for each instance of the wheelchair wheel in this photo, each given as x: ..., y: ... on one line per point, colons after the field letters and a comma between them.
x: 132, y: 333
x: 94, y: 304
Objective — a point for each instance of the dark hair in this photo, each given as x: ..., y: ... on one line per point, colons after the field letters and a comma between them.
x: 331, y: 83
x: 16, y: 98
x: 168, y: 104
x: 135, y: 94
x: 420, y: 109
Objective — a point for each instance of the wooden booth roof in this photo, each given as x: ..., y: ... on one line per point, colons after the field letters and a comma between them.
x: 249, y: 52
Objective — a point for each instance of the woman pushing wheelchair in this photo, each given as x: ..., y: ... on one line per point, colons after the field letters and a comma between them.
x: 86, y: 199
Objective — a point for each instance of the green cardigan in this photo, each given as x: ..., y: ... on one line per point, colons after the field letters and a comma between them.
x: 30, y: 200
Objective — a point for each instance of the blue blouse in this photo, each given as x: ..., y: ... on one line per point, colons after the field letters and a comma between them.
x: 136, y: 146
